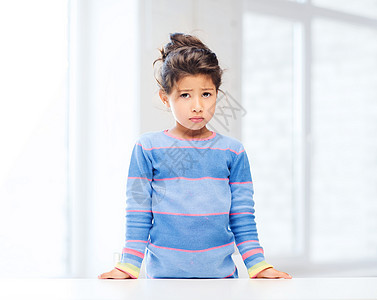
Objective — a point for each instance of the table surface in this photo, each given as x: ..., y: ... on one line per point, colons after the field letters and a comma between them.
x: 296, y: 288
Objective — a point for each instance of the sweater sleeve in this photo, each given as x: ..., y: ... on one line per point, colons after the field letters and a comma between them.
x: 138, y: 211
x: 241, y: 217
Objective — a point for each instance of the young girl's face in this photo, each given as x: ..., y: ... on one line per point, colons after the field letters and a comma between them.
x: 192, y: 101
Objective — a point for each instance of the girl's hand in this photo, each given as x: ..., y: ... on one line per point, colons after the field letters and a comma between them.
x: 114, y: 274
x: 272, y: 273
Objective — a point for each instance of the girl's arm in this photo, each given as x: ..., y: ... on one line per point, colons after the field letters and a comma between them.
x: 138, y: 212
x: 242, y: 220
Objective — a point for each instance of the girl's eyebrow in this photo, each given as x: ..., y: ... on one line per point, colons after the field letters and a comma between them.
x: 204, y: 89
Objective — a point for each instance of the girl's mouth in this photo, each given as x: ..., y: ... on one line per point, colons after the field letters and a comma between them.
x: 197, y: 120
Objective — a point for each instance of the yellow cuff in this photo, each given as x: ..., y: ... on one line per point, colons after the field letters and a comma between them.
x: 130, y: 269
x: 257, y: 268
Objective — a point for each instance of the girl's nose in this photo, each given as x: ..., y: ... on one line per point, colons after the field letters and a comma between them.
x: 197, y: 105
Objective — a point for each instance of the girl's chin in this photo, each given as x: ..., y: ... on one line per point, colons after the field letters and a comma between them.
x: 197, y: 127
x: 193, y: 126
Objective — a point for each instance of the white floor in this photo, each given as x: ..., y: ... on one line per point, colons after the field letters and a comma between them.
x: 164, y: 289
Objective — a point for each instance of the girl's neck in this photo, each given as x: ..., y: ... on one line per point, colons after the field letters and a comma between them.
x: 185, y: 133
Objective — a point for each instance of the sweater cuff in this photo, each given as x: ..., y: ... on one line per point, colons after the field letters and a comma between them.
x: 128, y: 268
x: 257, y: 268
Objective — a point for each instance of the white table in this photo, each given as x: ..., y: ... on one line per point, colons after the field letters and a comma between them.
x: 164, y: 289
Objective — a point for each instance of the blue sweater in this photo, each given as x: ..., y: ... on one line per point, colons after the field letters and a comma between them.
x: 188, y: 202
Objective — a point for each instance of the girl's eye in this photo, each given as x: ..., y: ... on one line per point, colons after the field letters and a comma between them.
x: 206, y: 94
x: 185, y: 95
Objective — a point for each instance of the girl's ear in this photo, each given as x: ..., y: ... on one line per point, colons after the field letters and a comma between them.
x: 164, y: 98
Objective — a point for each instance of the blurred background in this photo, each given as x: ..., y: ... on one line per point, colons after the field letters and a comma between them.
x: 77, y: 89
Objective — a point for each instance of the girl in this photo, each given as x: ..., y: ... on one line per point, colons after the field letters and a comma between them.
x: 189, y: 189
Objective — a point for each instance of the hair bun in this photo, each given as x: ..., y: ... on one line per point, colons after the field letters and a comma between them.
x: 180, y: 41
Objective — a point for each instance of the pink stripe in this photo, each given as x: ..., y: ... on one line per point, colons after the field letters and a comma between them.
x: 191, y: 251
x: 211, y: 214
x: 229, y: 150
x: 194, y: 139
x: 252, y: 252
x: 180, y: 214
x: 190, y: 147
x: 134, y: 252
x: 173, y: 178
x: 149, y: 275
x: 139, y: 178
x: 241, y: 213
x: 240, y: 182
x: 250, y: 241
x: 136, y: 241
x: 232, y: 273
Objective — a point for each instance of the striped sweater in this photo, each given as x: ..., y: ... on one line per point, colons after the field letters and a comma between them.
x: 188, y: 203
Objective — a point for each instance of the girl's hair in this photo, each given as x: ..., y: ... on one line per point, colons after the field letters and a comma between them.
x: 186, y: 55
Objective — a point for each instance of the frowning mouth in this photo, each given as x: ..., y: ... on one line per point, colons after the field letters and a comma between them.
x: 196, y: 119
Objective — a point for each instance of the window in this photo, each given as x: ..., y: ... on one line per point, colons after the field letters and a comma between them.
x: 309, y: 86
x: 267, y: 93
x: 33, y: 134
x: 344, y: 164
x: 68, y: 81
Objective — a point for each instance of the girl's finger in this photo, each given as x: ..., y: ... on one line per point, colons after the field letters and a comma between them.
x: 285, y: 275
x: 104, y: 276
